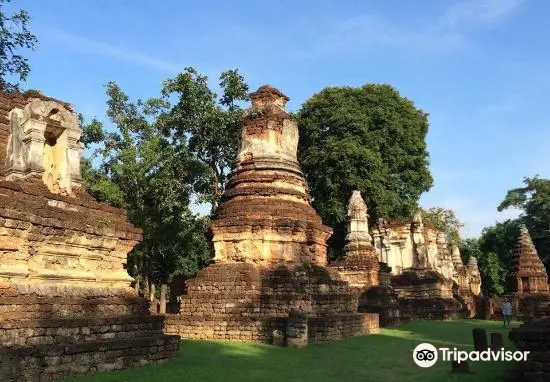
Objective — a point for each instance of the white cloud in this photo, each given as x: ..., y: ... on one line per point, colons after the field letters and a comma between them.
x: 479, y: 11
x: 443, y: 34
x: 371, y: 31
x: 89, y: 46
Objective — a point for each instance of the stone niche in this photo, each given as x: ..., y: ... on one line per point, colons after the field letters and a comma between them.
x: 423, y: 271
x: 44, y: 141
x: 269, y: 247
x: 66, y: 306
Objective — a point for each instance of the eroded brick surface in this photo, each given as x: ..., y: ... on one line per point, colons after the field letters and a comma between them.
x: 66, y: 306
x: 269, y: 245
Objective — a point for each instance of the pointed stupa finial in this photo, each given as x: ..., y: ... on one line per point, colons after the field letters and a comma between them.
x: 358, y: 225
x: 455, y: 253
x: 523, y: 228
x: 357, y: 208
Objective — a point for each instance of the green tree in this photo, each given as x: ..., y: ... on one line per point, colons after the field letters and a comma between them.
x: 534, y: 201
x: 368, y: 138
x: 142, y: 172
x: 14, y: 36
x: 206, y: 124
x: 501, y: 240
x: 444, y: 220
x: 490, y: 267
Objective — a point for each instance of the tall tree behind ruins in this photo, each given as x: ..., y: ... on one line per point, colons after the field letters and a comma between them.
x: 444, y: 220
x: 14, y: 37
x: 206, y: 124
x: 142, y: 171
x: 534, y: 202
x: 495, y: 247
x: 368, y: 138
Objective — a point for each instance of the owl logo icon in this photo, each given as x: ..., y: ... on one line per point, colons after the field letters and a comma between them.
x: 425, y: 355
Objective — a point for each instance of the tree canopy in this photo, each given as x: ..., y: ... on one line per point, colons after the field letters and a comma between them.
x: 444, y: 220
x: 14, y: 37
x: 163, y: 155
x: 206, y: 125
x: 534, y: 201
x: 368, y: 138
x: 490, y: 267
x: 142, y: 172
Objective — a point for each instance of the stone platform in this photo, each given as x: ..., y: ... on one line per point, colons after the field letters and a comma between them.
x: 246, y: 302
x: 535, y: 338
x: 49, y: 332
x: 425, y: 295
x: 66, y: 306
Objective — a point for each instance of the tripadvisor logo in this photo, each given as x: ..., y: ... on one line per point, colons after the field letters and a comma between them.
x: 426, y: 355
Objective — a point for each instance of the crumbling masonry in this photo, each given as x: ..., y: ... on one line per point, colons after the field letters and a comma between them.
x: 65, y: 303
x: 270, y: 248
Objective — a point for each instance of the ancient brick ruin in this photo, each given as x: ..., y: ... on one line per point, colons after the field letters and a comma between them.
x: 531, y: 293
x: 360, y: 266
x: 528, y: 272
x: 270, y: 248
x: 431, y: 282
x: 364, y: 268
x: 65, y: 303
x: 535, y: 338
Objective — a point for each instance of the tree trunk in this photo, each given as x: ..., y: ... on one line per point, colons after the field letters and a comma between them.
x: 136, y: 285
x: 163, y: 290
x: 215, y: 192
x: 146, y: 284
x: 152, y: 292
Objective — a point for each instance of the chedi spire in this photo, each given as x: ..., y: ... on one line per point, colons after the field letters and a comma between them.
x: 358, y: 225
x: 528, y: 270
x: 265, y: 215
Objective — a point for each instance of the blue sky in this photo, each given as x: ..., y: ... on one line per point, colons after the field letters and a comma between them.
x: 478, y: 67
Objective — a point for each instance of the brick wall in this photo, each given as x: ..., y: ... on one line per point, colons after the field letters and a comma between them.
x: 243, y: 302
x: 66, y: 307
x: 47, y: 332
x: 524, y: 307
x: 535, y: 338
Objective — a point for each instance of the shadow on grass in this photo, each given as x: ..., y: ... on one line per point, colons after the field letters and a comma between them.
x: 386, y: 356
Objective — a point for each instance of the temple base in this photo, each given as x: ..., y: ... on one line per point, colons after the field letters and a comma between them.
x: 47, y: 333
x: 426, y: 295
x: 242, y: 301
x: 534, y: 338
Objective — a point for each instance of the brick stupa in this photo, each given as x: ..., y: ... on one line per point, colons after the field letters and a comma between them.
x: 270, y: 249
x: 360, y: 266
x: 363, y: 268
x: 66, y: 306
x: 528, y: 272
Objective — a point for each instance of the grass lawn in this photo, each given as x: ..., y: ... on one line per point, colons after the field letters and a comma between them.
x: 382, y: 357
